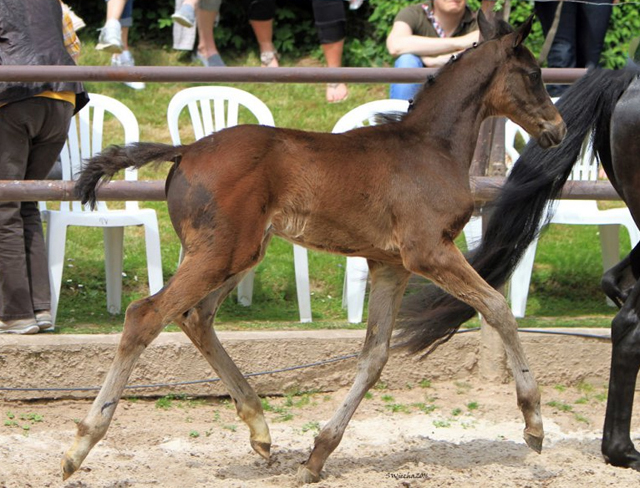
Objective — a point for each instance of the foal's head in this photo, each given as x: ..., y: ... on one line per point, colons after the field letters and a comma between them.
x: 517, y: 89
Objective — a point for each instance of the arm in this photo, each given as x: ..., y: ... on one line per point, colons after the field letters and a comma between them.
x: 401, y: 40
x: 437, y: 61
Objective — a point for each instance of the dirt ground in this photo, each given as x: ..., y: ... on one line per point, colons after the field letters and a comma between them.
x: 440, y: 434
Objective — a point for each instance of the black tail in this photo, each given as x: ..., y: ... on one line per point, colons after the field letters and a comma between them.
x: 102, y: 167
x: 431, y: 316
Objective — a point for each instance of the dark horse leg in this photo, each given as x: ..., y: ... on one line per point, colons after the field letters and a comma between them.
x: 387, y: 287
x: 619, y: 283
x: 617, y: 446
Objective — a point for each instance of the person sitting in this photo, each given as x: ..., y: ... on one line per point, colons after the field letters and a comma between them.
x: 427, y: 35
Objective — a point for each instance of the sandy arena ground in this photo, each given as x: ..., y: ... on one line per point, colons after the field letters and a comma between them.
x: 445, y: 434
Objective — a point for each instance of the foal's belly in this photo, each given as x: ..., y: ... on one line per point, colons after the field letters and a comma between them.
x: 350, y: 238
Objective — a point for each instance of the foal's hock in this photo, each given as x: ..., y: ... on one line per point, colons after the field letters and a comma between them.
x: 406, y: 200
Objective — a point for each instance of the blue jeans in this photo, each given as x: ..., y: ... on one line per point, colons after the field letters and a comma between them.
x: 406, y: 91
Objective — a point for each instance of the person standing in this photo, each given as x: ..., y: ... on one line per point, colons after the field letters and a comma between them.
x: 427, y: 35
x: 34, y: 120
x: 579, y: 39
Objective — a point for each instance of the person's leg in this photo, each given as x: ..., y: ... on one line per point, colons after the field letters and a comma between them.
x: 32, y: 144
x: 406, y: 91
x: 562, y: 53
x: 593, y: 22
x: 336, y: 92
x: 261, y: 14
x: 206, y: 19
x: 330, y: 22
x: 125, y: 58
x: 185, y: 15
x: 110, y: 35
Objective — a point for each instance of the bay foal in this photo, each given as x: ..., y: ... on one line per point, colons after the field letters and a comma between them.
x: 397, y: 194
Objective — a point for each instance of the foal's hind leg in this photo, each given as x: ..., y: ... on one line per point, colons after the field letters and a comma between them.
x: 447, y: 267
x: 387, y: 286
x: 198, y: 325
x: 617, y: 447
x: 144, y: 320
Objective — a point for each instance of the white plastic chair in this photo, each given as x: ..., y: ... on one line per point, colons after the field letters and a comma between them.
x: 84, y: 141
x: 572, y: 212
x: 357, y: 270
x: 226, y: 102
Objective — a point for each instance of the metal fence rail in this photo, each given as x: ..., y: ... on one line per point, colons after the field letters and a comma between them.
x: 243, y: 75
x: 484, y: 188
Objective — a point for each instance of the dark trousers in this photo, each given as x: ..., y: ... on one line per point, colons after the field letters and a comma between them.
x: 580, y: 36
x: 32, y: 134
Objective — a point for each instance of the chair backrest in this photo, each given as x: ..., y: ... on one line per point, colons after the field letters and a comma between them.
x: 366, y: 114
x: 213, y: 108
x: 86, y: 137
x: 585, y: 168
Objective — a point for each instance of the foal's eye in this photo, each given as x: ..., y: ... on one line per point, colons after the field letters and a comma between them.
x: 534, y: 77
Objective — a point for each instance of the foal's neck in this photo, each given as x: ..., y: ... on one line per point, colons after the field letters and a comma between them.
x: 449, y: 112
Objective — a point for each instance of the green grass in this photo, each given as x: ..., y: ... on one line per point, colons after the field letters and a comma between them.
x: 564, y: 291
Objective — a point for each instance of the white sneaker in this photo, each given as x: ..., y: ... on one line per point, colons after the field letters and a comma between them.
x: 44, y: 320
x: 19, y: 326
x: 185, y: 16
x: 126, y: 59
x: 110, y: 39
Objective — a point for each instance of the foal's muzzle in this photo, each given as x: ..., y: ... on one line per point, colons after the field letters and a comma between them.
x: 552, y: 134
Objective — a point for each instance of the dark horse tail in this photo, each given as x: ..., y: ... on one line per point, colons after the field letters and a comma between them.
x: 430, y: 317
x: 102, y: 167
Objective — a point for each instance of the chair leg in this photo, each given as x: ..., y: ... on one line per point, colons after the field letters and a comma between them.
x: 56, y: 243
x: 113, y: 242
x: 610, y: 243
x: 473, y: 232
x: 355, y: 288
x: 154, y: 257
x: 301, y: 266
x: 245, y: 289
x: 520, y: 281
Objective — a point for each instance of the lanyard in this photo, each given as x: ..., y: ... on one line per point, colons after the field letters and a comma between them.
x: 434, y: 21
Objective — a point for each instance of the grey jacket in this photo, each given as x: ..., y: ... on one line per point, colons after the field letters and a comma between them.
x: 31, y: 34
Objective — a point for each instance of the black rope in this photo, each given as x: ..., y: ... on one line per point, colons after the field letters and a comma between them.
x: 293, y: 368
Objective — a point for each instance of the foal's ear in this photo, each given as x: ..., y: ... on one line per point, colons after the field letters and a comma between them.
x: 487, y: 29
x: 523, y: 31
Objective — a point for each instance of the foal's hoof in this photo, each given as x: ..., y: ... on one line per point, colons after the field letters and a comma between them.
x: 68, y: 468
x: 305, y: 475
x: 534, y: 441
x: 262, y: 448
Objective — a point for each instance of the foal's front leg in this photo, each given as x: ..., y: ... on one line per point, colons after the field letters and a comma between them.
x: 387, y: 287
x: 446, y: 266
x: 198, y: 326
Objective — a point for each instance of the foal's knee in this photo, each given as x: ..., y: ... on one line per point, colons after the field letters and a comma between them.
x: 142, y: 323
